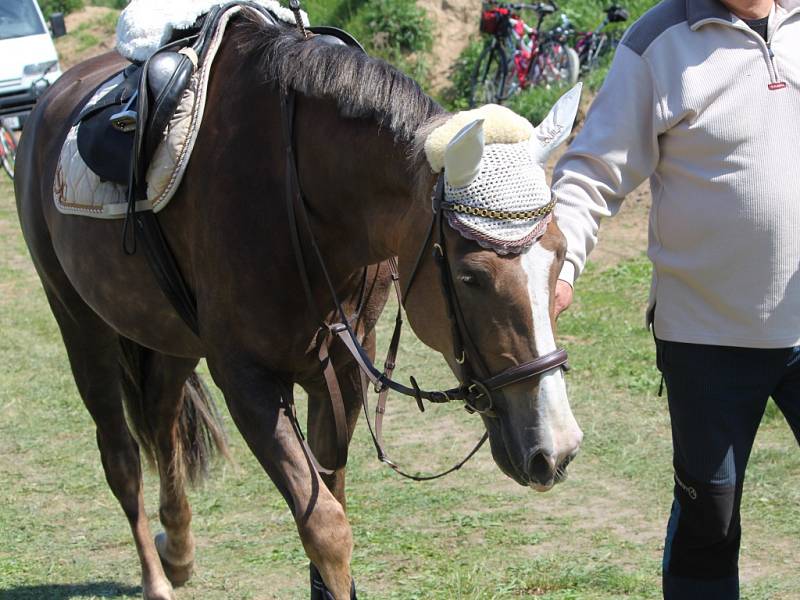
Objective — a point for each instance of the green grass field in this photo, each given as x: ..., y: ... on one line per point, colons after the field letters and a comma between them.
x: 473, y: 535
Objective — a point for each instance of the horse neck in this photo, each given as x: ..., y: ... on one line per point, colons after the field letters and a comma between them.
x: 362, y: 183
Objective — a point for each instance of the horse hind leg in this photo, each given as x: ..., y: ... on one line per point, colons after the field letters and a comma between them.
x: 94, y: 353
x: 178, y: 426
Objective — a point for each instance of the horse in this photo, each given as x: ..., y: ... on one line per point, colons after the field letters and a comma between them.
x: 360, y: 128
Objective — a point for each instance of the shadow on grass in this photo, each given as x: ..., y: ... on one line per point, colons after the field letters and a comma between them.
x: 67, y: 591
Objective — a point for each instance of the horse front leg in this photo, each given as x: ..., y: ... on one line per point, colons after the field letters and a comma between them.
x: 322, y: 434
x: 260, y: 404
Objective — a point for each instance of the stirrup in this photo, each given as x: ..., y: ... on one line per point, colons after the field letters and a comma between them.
x: 126, y: 119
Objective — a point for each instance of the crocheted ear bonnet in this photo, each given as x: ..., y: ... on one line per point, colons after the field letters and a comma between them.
x: 506, y: 203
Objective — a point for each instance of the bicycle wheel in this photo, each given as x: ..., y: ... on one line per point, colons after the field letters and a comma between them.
x: 556, y: 65
x: 570, y: 66
x: 489, y: 76
x: 8, y: 151
x: 598, y: 49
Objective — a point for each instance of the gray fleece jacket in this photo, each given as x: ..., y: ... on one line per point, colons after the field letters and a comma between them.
x: 710, y: 112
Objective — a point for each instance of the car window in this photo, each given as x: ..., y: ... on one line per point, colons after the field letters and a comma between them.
x: 19, y: 18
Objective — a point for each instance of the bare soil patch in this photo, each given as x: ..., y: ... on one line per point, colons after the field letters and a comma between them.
x: 455, y: 24
x: 90, y: 32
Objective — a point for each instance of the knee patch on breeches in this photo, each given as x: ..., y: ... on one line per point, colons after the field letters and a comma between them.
x: 704, y: 531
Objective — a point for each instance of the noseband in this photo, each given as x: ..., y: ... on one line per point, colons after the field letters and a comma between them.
x: 478, y: 386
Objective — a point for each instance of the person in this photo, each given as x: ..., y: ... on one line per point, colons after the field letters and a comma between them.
x: 703, y: 97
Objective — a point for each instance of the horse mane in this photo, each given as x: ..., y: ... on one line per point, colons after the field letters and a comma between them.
x: 362, y: 86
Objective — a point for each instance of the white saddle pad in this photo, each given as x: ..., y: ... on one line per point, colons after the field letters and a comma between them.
x: 146, y: 25
x: 78, y: 190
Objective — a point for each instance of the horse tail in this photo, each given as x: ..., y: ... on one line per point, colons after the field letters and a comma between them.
x: 200, y: 434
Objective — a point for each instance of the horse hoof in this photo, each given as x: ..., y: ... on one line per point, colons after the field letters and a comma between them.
x: 319, y: 590
x: 165, y: 593
x: 177, y: 574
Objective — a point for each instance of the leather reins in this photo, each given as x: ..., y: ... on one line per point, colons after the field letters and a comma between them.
x: 477, y: 384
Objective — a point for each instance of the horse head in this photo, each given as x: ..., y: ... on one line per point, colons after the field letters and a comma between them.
x: 488, y: 306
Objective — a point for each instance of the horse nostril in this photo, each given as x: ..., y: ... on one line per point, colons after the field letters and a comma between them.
x: 541, y: 467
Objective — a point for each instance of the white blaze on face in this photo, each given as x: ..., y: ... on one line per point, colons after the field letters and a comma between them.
x: 556, y: 418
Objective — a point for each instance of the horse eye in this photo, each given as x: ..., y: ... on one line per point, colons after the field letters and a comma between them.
x: 469, y: 279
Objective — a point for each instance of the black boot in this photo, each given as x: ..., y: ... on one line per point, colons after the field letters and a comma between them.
x: 318, y: 589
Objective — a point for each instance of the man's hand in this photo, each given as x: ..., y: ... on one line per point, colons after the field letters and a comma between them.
x: 563, y: 296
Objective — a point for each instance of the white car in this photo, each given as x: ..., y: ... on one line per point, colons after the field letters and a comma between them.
x: 28, y: 59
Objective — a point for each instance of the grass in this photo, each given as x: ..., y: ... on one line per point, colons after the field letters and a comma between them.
x: 474, y: 535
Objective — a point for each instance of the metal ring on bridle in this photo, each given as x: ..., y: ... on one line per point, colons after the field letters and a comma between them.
x: 475, y: 391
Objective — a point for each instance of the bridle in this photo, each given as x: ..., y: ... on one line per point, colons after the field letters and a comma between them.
x: 478, y: 388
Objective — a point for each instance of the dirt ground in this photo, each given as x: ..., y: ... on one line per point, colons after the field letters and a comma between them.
x: 455, y: 24
x: 89, y: 32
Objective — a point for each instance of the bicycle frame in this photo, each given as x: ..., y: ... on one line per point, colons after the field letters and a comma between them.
x: 523, y: 55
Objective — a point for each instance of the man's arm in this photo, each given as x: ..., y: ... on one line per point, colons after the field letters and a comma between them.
x: 616, y: 150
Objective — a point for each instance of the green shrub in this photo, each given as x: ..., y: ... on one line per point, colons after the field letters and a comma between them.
x: 456, y: 97
x: 397, y: 31
x: 118, y: 4
x: 535, y: 103
x: 337, y: 13
x: 397, y: 25
x: 63, y: 6
x: 67, y: 6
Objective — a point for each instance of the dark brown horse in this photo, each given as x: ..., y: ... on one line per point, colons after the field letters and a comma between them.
x: 359, y: 128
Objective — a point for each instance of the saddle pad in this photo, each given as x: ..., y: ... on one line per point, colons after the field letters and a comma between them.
x: 79, y: 191
x: 144, y: 26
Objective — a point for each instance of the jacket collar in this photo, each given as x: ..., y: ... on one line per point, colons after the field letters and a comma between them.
x: 700, y: 12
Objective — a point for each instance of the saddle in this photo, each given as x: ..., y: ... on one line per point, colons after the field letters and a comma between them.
x: 118, y: 135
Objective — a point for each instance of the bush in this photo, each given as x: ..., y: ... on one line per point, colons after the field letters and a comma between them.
x: 456, y: 97
x: 397, y: 24
x: 397, y: 31
x: 67, y: 6
x: 63, y: 6
x: 118, y: 4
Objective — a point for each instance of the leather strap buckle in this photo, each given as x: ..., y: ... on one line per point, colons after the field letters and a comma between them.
x: 475, y: 392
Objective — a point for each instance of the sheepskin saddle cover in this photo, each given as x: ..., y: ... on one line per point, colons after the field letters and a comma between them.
x: 144, y: 26
x: 78, y: 190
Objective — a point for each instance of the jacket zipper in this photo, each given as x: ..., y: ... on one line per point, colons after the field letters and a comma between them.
x: 776, y: 83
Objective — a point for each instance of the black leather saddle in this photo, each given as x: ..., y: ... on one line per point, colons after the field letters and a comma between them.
x: 106, y: 131
x: 118, y: 136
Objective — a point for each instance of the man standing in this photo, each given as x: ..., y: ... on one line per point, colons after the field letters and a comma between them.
x: 703, y: 97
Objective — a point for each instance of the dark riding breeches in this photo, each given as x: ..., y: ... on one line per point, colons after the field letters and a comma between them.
x: 717, y: 396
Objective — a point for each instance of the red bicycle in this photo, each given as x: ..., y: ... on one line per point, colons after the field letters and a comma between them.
x: 518, y: 56
x: 8, y: 150
x: 591, y: 46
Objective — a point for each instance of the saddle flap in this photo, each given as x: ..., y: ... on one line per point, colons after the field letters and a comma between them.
x: 105, y: 148
x: 168, y: 76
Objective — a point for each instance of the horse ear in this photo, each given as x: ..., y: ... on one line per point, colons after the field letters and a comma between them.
x: 556, y: 126
x: 462, y: 157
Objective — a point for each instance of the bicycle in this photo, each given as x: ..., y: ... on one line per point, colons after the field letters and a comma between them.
x: 591, y: 46
x: 8, y: 143
x: 8, y: 150
x: 517, y: 56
